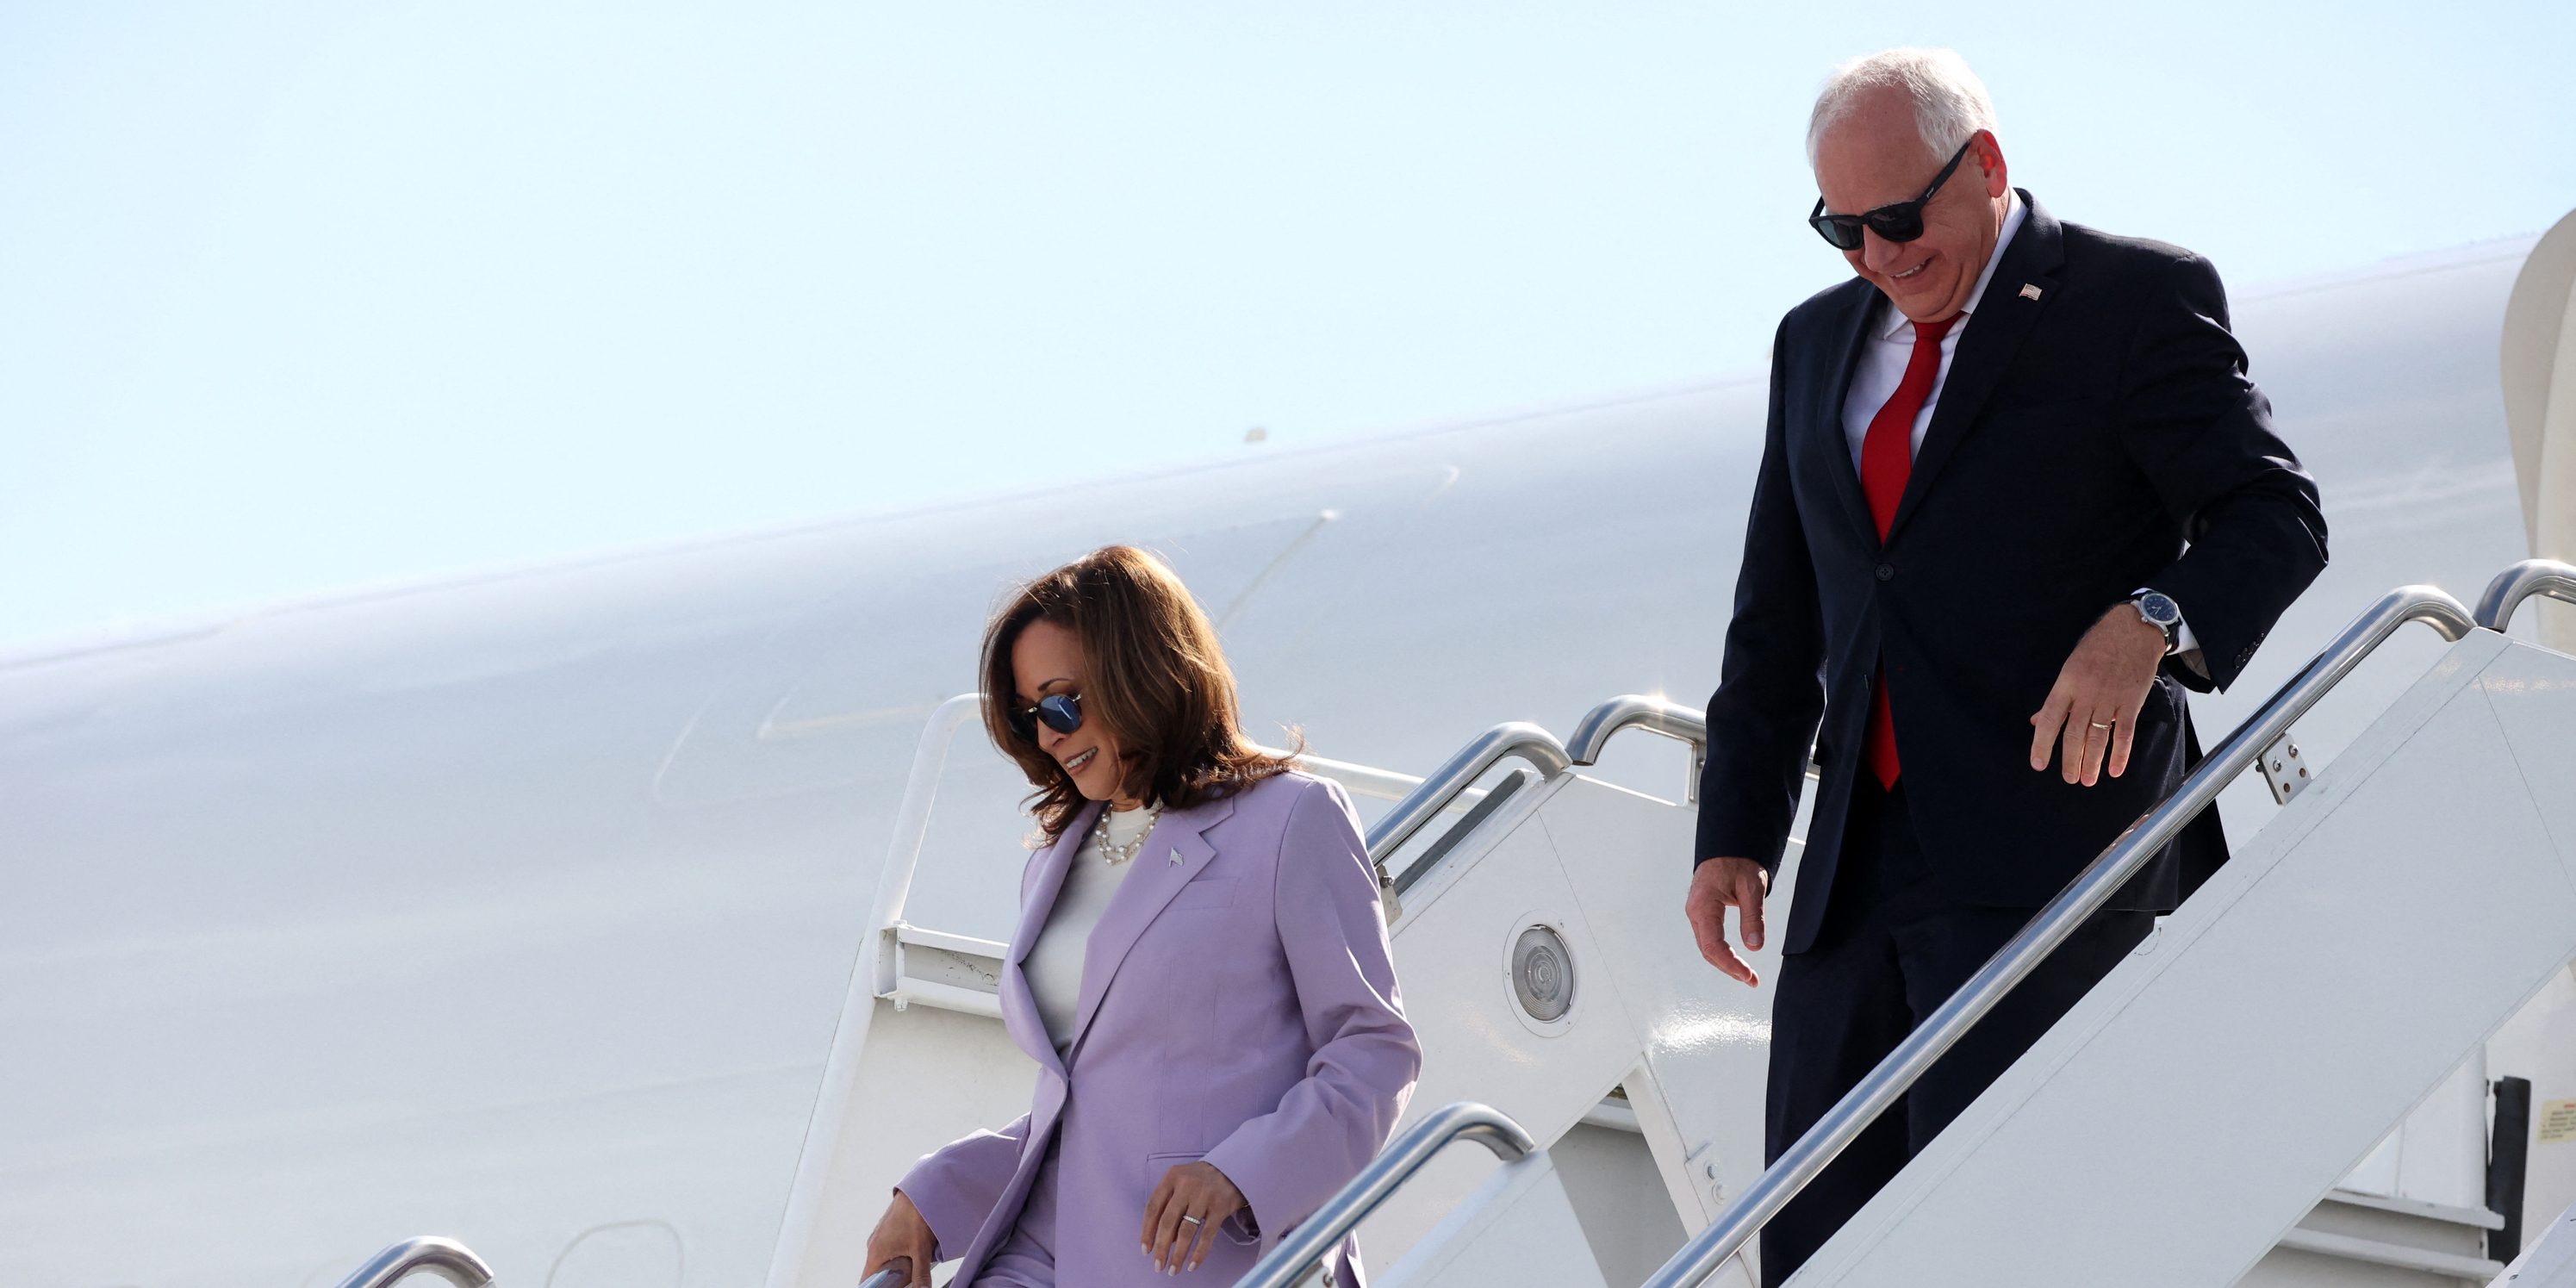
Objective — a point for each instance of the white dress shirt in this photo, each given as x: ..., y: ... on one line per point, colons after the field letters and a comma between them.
x: 1890, y: 345
x: 1054, y: 964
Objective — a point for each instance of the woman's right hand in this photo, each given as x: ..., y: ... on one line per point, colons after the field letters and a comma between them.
x: 901, y: 1235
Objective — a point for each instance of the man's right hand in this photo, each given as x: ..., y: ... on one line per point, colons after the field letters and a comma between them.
x: 1717, y: 885
x: 901, y: 1235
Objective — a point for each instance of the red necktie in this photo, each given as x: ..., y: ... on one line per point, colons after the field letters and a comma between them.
x: 1886, y: 460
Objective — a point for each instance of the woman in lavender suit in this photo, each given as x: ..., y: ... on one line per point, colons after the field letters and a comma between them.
x: 1201, y: 968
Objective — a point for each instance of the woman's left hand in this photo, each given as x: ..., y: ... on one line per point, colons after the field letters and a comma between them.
x: 1182, y: 1217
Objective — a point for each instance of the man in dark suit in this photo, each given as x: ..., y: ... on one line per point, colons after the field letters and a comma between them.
x: 2017, y: 494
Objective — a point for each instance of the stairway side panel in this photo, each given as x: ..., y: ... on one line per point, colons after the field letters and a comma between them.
x: 925, y: 1076
x: 2534, y: 701
x: 1705, y: 1037
x: 1517, y: 1228
x: 2195, y: 1106
x: 1452, y: 949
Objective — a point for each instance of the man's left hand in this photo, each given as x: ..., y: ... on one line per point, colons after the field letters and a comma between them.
x: 2093, y: 707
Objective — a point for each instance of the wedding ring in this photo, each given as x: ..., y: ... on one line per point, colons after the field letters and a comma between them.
x: 2100, y: 725
x: 1191, y: 1220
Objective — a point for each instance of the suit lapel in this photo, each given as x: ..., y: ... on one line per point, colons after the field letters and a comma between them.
x: 2003, y: 319
x: 1020, y: 1015
x: 1174, y: 854
x: 1850, y: 332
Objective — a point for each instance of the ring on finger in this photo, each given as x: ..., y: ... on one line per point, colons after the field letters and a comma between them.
x: 2100, y: 724
x: 1191, y: 1220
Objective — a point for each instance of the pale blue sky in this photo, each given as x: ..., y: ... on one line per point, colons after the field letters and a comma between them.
x: 297, y: 296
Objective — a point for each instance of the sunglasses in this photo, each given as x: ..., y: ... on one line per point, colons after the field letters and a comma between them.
x: 1900, y: 221
x: 1062, y: 712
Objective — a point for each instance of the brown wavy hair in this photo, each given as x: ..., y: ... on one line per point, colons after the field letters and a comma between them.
x: 1154, y: 677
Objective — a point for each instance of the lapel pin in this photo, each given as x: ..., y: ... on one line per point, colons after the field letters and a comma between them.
x: 2029, y: 291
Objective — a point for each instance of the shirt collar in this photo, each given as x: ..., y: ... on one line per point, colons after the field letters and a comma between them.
x: 1895, y: 322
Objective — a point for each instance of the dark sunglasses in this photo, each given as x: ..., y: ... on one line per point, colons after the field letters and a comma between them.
x: 1062, y: 713
x: 1900, y: 221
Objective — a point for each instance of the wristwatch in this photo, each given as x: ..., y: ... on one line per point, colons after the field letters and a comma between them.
x: 2157, y: 609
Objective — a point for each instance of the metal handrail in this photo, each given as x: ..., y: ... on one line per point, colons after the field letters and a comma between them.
x: 1387, y: 1173
x: 1500, y: 795
x: 1513, y: 738
x: 1634, y: 711
x: 445, y: 1258
x: 1689, y: 725
x: 2090, y: 889
x: 2520, y: 582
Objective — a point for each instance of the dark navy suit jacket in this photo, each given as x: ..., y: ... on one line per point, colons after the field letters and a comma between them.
x: 2099, y: 438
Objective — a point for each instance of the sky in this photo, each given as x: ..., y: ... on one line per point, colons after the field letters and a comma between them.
x: 298, y: 297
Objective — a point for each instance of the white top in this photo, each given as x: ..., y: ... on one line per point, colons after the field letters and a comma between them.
x: 1054, y: 964
x: 1882, y: 368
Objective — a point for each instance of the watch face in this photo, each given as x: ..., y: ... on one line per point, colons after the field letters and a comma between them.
x: 2159, y: 608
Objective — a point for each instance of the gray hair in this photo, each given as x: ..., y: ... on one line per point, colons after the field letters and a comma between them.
x: 1950, y: 103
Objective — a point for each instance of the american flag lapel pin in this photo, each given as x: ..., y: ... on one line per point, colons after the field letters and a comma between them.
x: 2029, y: 291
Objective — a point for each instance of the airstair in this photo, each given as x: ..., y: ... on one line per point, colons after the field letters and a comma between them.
x: 2210, y: 1115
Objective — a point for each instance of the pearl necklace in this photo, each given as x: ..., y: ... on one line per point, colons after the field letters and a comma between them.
x: 1113, y: 855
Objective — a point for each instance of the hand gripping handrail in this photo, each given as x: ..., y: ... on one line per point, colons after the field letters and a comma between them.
x: 2520, y: 582
x: 1634, y: 711
x: 1387, y: 1173
x: 2090, y: 889
x: 1513, y: 738
x: 445, y: 1258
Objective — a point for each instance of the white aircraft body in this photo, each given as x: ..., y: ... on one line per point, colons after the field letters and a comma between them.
x: 522, y: 907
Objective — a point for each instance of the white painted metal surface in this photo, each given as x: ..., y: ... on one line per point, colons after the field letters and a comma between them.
x: 2412, y: 1213
x: 1592, y: 862
x: 2438, y: 1157
x: 2540, y: 1044
x: 2351, y: 1238
x: 2282, y: 1022
x: 1518, y: 1227
x: 1619, y: 1197
x: 2539, y: 371
x: 2550, y: 1261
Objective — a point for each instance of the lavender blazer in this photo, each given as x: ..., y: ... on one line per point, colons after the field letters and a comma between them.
x: 1238, y: 1005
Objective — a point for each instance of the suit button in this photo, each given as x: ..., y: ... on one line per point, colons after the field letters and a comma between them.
x: 1887, y: 572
